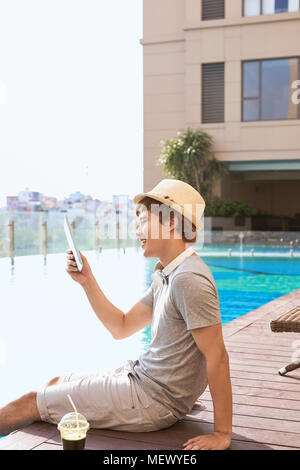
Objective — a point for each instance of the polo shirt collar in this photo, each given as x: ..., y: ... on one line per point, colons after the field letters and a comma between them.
x: 161, y: 275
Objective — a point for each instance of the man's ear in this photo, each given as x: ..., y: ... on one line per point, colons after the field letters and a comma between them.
x: 172, y: 223
x: 169, y: 222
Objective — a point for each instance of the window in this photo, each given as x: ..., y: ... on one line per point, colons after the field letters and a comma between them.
x: 268, y: 7
x: 267, y: 89
x: 213, y: 9
x: 252, y: 7
x: 213, y: 93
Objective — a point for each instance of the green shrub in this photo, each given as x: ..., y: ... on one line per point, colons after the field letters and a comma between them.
x: 189, y: 157
x: 228, y: 208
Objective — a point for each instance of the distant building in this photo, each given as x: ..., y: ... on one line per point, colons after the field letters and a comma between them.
x: 120, y: 203
x: 91, y: 205
x: 232, y: 69
x: 131, y: 207
x: 12, y: 203
x: 29, y: 200
x: 62, y: 205
x: 77, y: 204
x: 104, y: 209
x: 49, y: 203
x: 36, y: 196
x: 77, y: 197
x: 29, y: 196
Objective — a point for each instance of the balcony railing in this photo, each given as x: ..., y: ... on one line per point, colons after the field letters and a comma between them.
x: 38, y: 233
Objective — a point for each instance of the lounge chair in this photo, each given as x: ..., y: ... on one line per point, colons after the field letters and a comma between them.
x: 288, y: 322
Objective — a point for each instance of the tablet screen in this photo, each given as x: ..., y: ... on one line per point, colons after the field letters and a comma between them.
x: 72, y: 243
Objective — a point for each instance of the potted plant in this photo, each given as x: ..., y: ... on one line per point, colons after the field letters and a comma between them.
x: 189, y: 157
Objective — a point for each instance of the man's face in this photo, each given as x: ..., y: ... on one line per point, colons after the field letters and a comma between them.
x: 151, y: 234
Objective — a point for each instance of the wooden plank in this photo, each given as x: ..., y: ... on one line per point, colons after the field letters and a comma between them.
x: 175, y: 436
x: 270, y: 336
x: 280, y: 341
x: 48, y: 446
x: 269, y: 371
x: 237, y: 371
x: 180, y: 432
x: 115, y: 445
x: 274, y: 381
x: 265, y: 392
x: 29, y: 437
x: 277, y: 340
x: 171, y: 438
x: 259, y: 357
x: 248, y: 421
x: 264, y: 326
x: 243, y: 445
x: 259, y: 347
x: 241, y: 349
x: 261, y: 362
x: 253, y: 410
x: 265, y: 384
x: 273, y: 349
x: 270, y: 402
x: 96, y: 440
x: 275, y: 377
x: 269, y: 311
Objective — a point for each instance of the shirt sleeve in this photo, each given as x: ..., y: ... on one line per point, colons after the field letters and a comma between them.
x: 196, y: 299
x: 147, y: 297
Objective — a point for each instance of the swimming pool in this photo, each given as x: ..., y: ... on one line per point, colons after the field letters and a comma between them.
x: 246, y: 283
x: 48, y: 327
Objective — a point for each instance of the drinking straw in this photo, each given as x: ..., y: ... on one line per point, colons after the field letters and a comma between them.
x: 76, y: 412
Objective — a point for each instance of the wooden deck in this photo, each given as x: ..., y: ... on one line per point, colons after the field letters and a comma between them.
x: 266, y: 410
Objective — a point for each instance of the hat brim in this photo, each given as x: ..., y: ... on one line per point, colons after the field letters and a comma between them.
x: 167, y: 202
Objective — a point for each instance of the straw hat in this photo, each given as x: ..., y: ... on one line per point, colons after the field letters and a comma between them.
x: 181, y: 196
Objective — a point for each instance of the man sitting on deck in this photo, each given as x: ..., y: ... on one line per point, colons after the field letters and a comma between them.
x: 186, y: 353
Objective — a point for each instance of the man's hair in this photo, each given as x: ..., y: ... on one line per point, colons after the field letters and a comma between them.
x: 186, y: 229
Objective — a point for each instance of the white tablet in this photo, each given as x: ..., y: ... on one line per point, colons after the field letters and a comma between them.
x: 72, y: 243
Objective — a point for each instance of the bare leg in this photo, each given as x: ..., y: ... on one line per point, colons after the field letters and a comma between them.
x: 21, y: 412
x: 18, y: 413
x: 53, y: 381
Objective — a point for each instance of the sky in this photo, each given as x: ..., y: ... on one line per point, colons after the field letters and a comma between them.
x: 71, y: 97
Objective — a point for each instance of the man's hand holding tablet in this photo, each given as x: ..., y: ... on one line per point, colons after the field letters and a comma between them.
x: 79, y: 276
x: 77, y: 265
x: 72, y: 243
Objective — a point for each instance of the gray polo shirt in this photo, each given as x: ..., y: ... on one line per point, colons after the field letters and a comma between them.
x: 173, y: 370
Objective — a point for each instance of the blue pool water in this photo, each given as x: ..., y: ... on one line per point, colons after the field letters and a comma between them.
x: 245, y: 284
x: 48, y: 327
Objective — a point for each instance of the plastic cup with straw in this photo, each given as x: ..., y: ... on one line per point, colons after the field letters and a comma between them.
x: 73, y: 428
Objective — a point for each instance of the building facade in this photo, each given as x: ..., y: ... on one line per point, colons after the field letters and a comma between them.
x: 232, y: 69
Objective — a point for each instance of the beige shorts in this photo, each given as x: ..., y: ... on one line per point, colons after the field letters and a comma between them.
x: 111, y: 399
